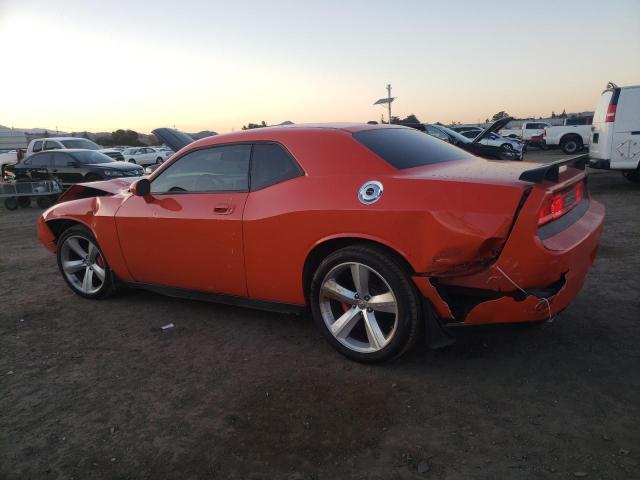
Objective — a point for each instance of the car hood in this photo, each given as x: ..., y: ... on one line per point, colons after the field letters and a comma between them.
x: 174, y: 139
x: 494, y: 127
x: 115, y: 166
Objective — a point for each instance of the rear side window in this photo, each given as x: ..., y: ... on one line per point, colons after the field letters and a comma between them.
x: 51, y: 145
x: 37, y: 147
x: 41, y: 160
x: 406, y: 148
x: 271, y: 164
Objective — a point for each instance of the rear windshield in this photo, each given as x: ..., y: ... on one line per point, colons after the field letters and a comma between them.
x: 406, y: 147
x: 92, y: 157
x: 80, y: 143
x: 603, y: 105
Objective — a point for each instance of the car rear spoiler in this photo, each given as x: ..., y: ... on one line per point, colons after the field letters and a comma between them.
x: 551, y: 171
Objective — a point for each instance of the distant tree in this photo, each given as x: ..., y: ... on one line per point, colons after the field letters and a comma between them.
x: 254, y: 125
x: 486, y: 120
x: 105, y: 141
x: 563, y: 114
x: 553, y: 114
x: 499, y: 115
x: 152, y: 140
x: 372, y: 122
x: 409, y: 121
x: 441, y: 124
x: 45, y: 134
x: 125, y: 137
x: 85, y: 134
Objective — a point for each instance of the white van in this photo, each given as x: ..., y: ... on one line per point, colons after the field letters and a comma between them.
x: 615, y: 133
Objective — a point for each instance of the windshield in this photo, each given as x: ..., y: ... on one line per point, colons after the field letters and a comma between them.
x: 80, y: 143
x: 92, y: 157
x: 454, y: 134
x: 130, y: 151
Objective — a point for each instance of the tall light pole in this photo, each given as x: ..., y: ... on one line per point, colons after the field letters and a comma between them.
x: 387, y: 101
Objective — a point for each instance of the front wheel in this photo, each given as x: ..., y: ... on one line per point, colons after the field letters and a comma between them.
x: 365, y: 304
x: 83, y: 265
x: 632, y: 175
x: 131, y: 160
x: 158, y: 161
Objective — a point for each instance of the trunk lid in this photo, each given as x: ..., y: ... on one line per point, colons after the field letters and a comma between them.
x: 493, y: 128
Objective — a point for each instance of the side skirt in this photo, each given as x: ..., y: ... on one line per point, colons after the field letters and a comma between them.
x: 221, y: 298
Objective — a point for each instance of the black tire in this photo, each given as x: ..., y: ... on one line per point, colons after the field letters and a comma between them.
x: 108, y: 286
x: 11, y: 203
x: 131, y: 160
x: 409, y: 314
x: 44, y: 201
x: 158, y: 161
x: 571, y: 144
x: 632, y: 175
x: 24, y: 202
x: 93, y: 177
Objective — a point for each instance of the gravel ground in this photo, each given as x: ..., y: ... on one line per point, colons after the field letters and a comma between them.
x: 98, y: 390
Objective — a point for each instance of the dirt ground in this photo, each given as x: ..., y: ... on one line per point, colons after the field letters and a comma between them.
x: 97, y: 390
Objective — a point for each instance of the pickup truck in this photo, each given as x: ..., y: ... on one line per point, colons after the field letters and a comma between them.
x: 572, y: 137
x: 526, y: 130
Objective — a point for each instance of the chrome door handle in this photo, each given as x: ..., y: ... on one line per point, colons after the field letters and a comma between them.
x: 223, y: 209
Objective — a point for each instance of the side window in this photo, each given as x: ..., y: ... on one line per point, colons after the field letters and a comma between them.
x: 437, y: 133
x: 271, y: 164
x: 37, y: 147
x: 42, y: 160
x: 215, y: 169
x: 51, y: 145
x: 61, y: 160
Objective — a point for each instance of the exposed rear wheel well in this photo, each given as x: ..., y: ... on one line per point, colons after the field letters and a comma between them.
x: 58, y: 227
x: 571, y: 136
x: 321, y: 251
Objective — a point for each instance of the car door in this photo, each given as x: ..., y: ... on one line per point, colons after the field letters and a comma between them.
x: 187, y: 233
x: 66, y: 168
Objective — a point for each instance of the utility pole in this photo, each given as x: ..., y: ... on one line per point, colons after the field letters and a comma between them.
x: 386, y: 101
x: 389, y: 100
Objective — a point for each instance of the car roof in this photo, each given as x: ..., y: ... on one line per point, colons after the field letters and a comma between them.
x: 61, y: 138
x: 67, y: 150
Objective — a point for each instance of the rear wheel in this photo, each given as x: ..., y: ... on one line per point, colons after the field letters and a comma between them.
x: 131, y: 160
x: 365, y: 305
x: 93, y: 177
x: 571, y: 144
x: 158, y: 160
x: 632, y: 175
x: 82, y: 264
x: 24, y: 202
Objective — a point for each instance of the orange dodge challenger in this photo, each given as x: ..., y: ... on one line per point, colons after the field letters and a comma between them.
x: 384, y: 232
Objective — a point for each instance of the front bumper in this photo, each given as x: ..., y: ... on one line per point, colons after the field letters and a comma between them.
x: 551, y: 272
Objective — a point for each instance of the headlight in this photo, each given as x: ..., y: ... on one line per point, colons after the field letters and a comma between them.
x: 148, y: 170
x: 113, y: 173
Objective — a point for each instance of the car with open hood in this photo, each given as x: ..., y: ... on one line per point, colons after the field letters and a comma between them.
x: 383, y: 232
x: 486, y: 144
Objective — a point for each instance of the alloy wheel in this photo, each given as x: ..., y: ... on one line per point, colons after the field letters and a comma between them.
x: 82, y: 264
x: 358, y: 307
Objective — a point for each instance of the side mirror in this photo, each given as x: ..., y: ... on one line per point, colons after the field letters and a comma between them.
x: 141, y: 188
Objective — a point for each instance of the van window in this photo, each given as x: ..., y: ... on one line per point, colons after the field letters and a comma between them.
x: 51, y: 145
x: 37, y: 147
x: 603, y: 104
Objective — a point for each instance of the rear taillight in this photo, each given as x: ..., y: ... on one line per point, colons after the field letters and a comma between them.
x: 558, y: 204
x: 611, y: 113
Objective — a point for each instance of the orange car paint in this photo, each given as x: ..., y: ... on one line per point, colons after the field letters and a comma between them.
x: 446, y: 220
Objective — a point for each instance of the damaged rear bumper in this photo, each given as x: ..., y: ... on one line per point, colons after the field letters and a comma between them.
x: 533, y: 279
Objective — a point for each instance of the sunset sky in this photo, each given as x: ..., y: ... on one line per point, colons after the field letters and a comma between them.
x: 203, y: 64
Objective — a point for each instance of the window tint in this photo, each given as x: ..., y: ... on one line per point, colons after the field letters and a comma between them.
x: 436, y: 132
x: 271, y: 164
x: 37, y: 147
x: 216, y: 169
x: 92, y: 157
x: 40, y: 160
x: 406, y: 148
x: 61, y: 160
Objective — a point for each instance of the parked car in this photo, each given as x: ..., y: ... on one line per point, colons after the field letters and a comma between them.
x: 468, y: 130
x: 526, y: 130
x: 615, y: 141
x: 164, y: 151
x: 143, y: 155
x: 379, y: 229
x: 481, y: 145
x: 571, y: 137
x: 72, y: 166
x: 64, y: 143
